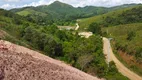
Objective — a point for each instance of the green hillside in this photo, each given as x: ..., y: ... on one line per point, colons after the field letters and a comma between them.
x: 123, y: 6
x: 59, y: 13
x: 122, y: 16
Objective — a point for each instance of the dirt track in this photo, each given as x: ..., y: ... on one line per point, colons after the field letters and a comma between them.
x: 77, y: 26
x: 124, y: 70
x: 85, y: 34
x: 19, y: 63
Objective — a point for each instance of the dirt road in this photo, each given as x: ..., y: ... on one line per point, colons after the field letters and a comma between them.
x: 121, y: 68
x: 20, y: 63
x: 77, y: 26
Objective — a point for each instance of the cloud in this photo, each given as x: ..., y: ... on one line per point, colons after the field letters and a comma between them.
x: 12, y: 0
x: 8, y: 4
x: 104, y: 3
x: 40, y: 2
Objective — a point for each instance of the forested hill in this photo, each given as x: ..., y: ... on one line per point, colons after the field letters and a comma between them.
x: 60, y: 13
x: 62, y: 10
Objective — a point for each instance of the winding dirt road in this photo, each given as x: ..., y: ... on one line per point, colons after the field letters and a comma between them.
x: 121, y: 68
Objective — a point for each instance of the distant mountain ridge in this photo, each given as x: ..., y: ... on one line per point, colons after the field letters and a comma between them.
x: 59, y: 12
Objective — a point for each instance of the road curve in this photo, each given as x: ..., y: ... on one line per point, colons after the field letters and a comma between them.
x: 121, y: 68
x: 77, y: 26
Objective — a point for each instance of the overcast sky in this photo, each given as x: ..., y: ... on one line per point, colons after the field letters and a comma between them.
x: 8, y: 4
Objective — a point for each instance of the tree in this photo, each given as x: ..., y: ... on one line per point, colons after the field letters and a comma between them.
x: 61, y: 35
x: 28, y: 34
x: 58, y: 50
x: 138, y: 54
x: 95, y: 28
x: 112, y: 68
x: 131, y: 35
x: 47, y: 49
x: 84, y: 60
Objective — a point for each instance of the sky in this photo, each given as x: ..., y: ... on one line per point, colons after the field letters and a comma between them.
x: 9, y: 4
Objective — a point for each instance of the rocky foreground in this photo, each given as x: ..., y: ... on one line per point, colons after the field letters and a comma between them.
x: 19, y: 63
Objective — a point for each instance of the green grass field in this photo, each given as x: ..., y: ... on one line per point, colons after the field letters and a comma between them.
x: 28, y: 11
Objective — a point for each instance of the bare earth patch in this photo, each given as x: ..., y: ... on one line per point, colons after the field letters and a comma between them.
x: 20, y: 63
x: 85, y: 34
x: 129, y: 59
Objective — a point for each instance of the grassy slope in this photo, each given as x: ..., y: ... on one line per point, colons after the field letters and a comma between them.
x: 84, y: 23
x: 25, y: 12
x: 29, y: 11
x: 119, y: 34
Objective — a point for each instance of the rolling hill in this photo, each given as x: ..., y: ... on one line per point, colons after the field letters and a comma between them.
x: 58, y: 12
x: 122, y: 16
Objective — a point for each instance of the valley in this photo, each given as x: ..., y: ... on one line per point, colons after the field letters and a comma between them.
x: 71, y: 43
